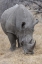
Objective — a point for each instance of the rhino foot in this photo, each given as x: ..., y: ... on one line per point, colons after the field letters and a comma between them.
x: 12, y: 48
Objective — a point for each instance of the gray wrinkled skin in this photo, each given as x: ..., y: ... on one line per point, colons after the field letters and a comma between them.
x: 18, y: 23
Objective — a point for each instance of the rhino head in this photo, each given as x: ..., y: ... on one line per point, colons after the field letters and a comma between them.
x: 28, y: 47
x: 28, y: 43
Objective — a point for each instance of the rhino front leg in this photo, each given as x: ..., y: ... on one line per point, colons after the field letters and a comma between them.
x: 12, y: 39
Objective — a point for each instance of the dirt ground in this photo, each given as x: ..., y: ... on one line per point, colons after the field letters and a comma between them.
x: 17, y: 57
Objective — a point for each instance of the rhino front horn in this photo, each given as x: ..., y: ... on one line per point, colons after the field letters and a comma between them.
x: 34, y: 44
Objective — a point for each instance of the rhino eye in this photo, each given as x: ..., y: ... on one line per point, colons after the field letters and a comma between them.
x: 23, y: 24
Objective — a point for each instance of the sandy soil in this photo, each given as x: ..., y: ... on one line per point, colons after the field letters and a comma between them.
x: 17, y: 57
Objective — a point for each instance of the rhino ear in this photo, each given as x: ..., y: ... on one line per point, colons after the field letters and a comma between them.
x: 35, y: 22
x: 23, y: 24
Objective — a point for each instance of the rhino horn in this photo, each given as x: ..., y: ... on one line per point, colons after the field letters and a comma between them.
x: 33, y: 45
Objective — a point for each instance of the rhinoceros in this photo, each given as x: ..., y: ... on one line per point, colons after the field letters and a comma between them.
x: 18, y: 24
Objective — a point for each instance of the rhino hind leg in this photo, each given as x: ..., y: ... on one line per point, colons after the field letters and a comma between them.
x: 12, y: 39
